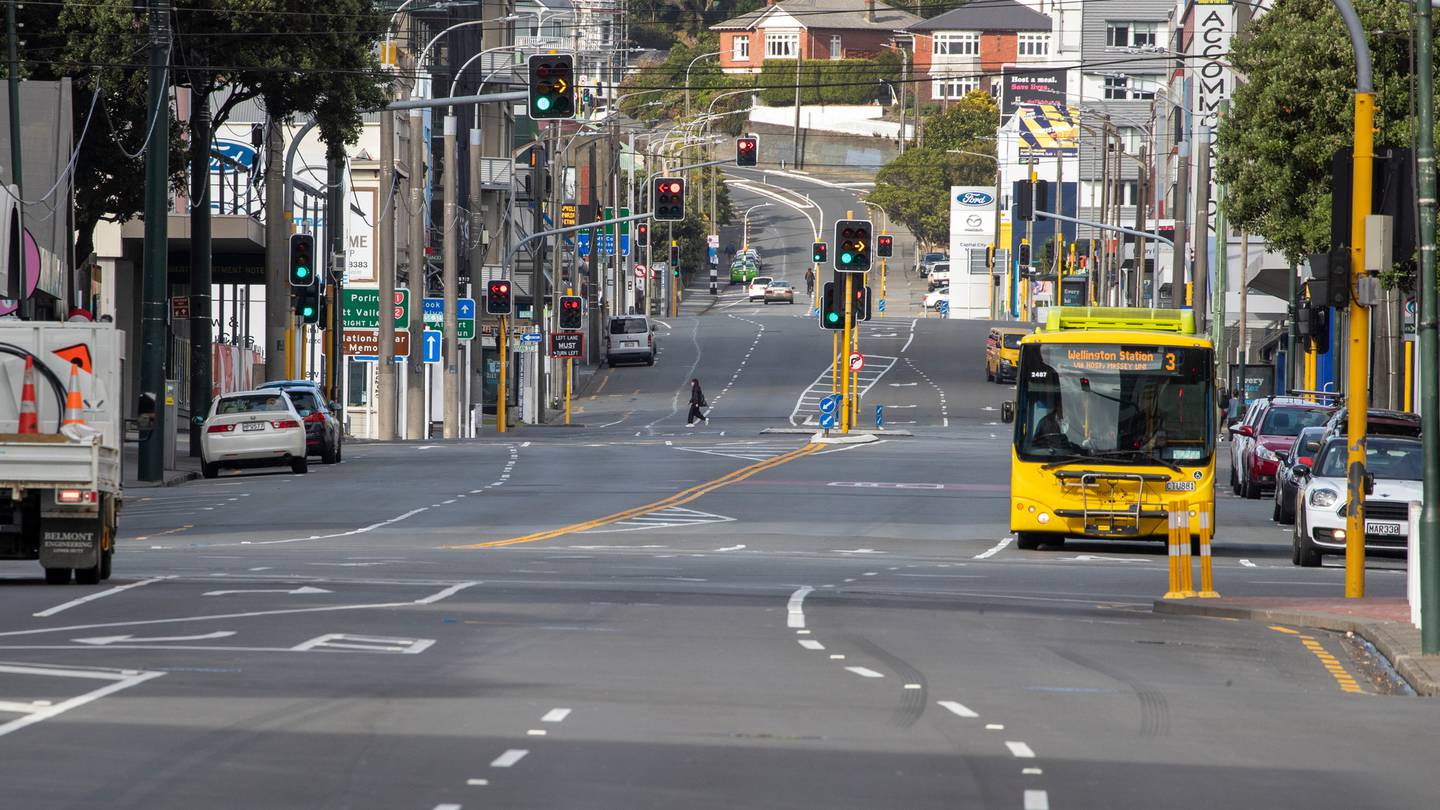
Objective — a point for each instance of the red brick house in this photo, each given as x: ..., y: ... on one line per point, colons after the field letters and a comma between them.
x: 810, y: 29
x: 967, y: 48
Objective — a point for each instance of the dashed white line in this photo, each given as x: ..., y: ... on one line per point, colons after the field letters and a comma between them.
x: 537, y: 732
x: 957, y: 708
x: 811, y: 644
x: 1019, y: 749
x: 447, y: 807
x: 913, y: 686
x: 1245, y: 563
x: 1037, y: 800
x: 509, y: 758
x: 1031, y: 771
x: 796, y: 607
x: 995, y: 549
x: 994, y: 727
x: 837, y: 657
x: 555, y: 716
x: 864, y: 672
x: 477, y: 782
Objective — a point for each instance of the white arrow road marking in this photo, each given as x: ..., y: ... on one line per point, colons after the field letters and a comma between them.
x: 100, y: 640
x: 304, y: 589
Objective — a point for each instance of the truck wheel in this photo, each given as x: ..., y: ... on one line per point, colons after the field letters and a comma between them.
x: 89, y: 576
x: 105, y: 558
x: 57, y: 576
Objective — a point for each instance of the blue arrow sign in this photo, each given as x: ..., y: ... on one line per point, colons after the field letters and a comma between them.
x: 582, y: 244
x: 828, y: 404
x: 624, y: 244
x: 879, y: 416
x: 530, y: 337
x: 882, y: 304
x: 944, y: 309
x: 827, y: 420
x: 430, y: 347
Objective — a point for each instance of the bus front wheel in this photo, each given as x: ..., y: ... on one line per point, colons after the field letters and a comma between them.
x: 1028, y: 541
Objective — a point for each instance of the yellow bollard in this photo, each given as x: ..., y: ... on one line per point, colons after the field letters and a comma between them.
x: 1173, y: 551
x: 1207, y: 573
x: 1187, y: 568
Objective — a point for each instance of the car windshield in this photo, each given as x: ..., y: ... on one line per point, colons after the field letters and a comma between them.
x: 1390, y: 459
x: 1290, y: 421
x: 628, y: 326
x: 1115, y: 401
x: 779, y: 285
x: 1013, y: 341
x: 934, y: 257
x: 251, y: 403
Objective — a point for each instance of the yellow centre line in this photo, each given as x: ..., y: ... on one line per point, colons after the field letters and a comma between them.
x: 682, y: 497
x: 1342, y: 676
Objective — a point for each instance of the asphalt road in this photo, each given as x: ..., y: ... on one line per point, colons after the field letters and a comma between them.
x: 637, y: 614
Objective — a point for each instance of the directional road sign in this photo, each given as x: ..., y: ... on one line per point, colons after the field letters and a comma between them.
x: 465, y: 309
x: 567, y: 344
x: 640, y: 271
x: 882, y: 304
x: 360, y: 309
x: 582, y: 244
x: 430, y: 346
x: 829, y: 404
x: 827, y: 420
x: 944, y: 309
x: 879, y: 416
x: 364, y: 344
x: 530, y: 337
x: 857, y: 361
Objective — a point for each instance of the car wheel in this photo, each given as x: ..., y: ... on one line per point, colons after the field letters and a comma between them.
x: 105, y: 559
x: 1028, y: 541
x: 329, y: 454
x: 57, y: 576
x: 650, y: 361
x: 1275, y: 511
x: 209, y: 470
x: 340, y: 449
x: 299, y: 466
x: 91, y: 575
x: 1234, y: 482
x: 1306, y: 555
x: 1252, y: 490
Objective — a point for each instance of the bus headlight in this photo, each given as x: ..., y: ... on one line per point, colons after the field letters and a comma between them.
x: 1043, y: 518
x: 1323, y: 497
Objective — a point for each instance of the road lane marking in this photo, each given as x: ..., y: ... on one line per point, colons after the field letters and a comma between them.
x: 995, y: 549
x: 957, y: 708
x: 537, y: 732
x: 445, y: 594
x: 477, y: 782
x: 795, y: 608
x: 913, y: 686
x: 1031, y: 771
x: 678, y: 499
x: 97, y: 595
x: 837, y: 657
x: 555, y: 716
x: 864, y: 672
x: 1020, y: 750
x: 1037, y: 800
x: 447, y: 807
x: 509, y: 758
x: 731, y: 548
x: 811, y: 644
x: 1247, y: 564
x: 119, y: 680
x: 994, y: 727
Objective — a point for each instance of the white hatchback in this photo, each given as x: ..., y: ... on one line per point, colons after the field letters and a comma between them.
x: 1320, y: 506
x: 252, y: 429
x: 757, y: 287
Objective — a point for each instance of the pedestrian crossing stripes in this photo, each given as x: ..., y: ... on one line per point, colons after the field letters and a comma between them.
x: 669, y: 518
x: 743, y: 451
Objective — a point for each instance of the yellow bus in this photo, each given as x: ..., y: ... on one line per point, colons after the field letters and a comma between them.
x: 1114, y: 418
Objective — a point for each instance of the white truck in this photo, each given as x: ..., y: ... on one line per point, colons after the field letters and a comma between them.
x: 60, y: 489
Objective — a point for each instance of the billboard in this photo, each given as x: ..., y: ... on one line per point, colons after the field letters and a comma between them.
x: 1048, y: 130
x: 972, y: 219
x: 1031, y: 86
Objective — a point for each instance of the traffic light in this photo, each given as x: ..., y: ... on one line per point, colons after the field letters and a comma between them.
x: 642, y: 234
x: 307, y: 303
x: 1319, y: 321
x: 675, y: 257
x: 552, y: 86
x: 1024, y: 254
x: 990, y: 257
x: 747, y: 150
x: 884, y: 246
x: 1330, y: 278
x: 1024, y: 202
x: 832, y: 308
x: 669, y: 199
x: 302, y: 260
x: 817, y: 253
x: 852, y: 239
x: 860, y: 308
x: 571, y: 308
x: 497, y: 297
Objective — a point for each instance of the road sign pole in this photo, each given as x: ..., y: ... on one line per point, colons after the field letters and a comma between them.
x: 568, y: 365
x: 882, y: 286
x: 502, y: 345
x: 845, y: 340
x: 834, y: 362
x: 855, y: 383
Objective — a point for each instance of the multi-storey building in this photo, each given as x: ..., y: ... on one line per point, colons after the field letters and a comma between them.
x: 808, y: 30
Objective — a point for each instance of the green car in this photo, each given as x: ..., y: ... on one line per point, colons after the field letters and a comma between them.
x: 741, y: 272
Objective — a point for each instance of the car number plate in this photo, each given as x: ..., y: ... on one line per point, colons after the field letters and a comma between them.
x: 1179, y: 486
x: 253, y: 426
x: 1388, y: 529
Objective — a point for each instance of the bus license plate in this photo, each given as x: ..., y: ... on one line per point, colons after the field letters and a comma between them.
x: 1386, y: 529
x: 1179, y: 486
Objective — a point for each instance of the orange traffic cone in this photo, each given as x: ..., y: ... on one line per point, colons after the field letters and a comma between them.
x: 29, y: 415
x: 74, y: 403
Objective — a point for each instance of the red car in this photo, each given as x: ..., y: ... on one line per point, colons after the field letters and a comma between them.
x: 1275, y: 434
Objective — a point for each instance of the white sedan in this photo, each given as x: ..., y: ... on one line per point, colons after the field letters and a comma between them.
x: 252, y: 429
x: 934, y: 297
x: 1320, y: 506
x: 756, y: 292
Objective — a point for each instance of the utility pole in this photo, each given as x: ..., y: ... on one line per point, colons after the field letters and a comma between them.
x: 277, y: 231
x: 538, y: 291
x: 1429, y: 561
x: 17, y: 173
x: 1142, y: 197
x: 200, y: 329
x: 1106, y: 282
x: 1182, y: 197
x: 386, y: 402
x: 1242, y: 342
x: 475, y: 259
x: 1222, y: 273
x: 415, y: 427
x: 1202, y: 227
x: 157, y: 164
x: 795, y: 144
x: 449, y: 258
x: 332, y: 280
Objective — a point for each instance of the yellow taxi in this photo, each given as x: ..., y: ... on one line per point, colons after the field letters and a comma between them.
x: 1002, y: 353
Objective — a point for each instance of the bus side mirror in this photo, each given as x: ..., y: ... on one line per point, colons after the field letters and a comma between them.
x: 1007, y: 412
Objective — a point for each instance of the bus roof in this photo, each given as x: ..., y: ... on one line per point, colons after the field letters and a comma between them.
x: 1121, y: 319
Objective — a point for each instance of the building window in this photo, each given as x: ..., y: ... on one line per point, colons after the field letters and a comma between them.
x: 741, y: 49
x: 1117, y: 87
x: 953, y: 87
x: 957, y: 44
x: 782, y: 44
x: 1033, y: 45
x: 1131, y: 34
x: 837, y: 48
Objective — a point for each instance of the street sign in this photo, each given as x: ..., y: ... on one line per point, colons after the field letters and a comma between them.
x: 567, y: 344
x: 828, y: 404
x: 713, y: 240
x: 857, y: 361
x: 944, y: 309
x: 569, y: 215
x: 364, y: 344
x: 624, y: 244
x: 827, y: 420
x: 879, y: 416
x: 431, y: 341
x: 582, y: 244
x: 882, y: 304
x: 640, y: 271
x: 434, y: 314
x: 180, y: 308
x: 530, y: 337
x: 609, y: 244
x: 360, y: 309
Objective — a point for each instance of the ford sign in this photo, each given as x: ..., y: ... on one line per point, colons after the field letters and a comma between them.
x: 974, y: 198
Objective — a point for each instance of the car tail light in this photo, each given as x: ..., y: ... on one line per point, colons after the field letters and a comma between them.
x: 315, y: 416
x: 220, y: 429
x: 75, y: 496
x: 282, y: 424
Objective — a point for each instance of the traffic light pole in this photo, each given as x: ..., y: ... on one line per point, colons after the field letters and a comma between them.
x: 1429, y: 557
x: 845, y: 363
x: 157, y: 158
x: 502, y: 345
x: 450, y: 380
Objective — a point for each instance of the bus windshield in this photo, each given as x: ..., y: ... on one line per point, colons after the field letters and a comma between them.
x: 1116, y: 403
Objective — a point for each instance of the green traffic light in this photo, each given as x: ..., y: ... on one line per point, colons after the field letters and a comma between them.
x: 832, y: 317
x: 308, y: 311
x: 846, y: 258
x: 543, y: 103
x: 302, y: 271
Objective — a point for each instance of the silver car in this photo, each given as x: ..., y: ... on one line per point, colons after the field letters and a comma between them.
x: 630, y: 338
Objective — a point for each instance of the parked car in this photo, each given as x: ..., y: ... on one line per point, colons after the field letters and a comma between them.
x: 934, y: 297
x: 928, y: 260
x: 756, y: 292
x: 252, y: 429
x: 1272, y: 434
x: 1287, y: 484
x: 1002, y: 353
x: 629, y: 338
x: 752, y: 255
x: 939, y: 275
x: 1378, y: 422
x: 1395, y: 463
x: 324, y: 436
x: 742, y: 270
x: 778, y: 291
x: 1240, y: 440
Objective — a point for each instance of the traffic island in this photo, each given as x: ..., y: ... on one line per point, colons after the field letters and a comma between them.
x: 1385, y: 623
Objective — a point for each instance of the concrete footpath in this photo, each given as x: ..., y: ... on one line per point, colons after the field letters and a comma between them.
x: 186, y: 468
x: 1385, y: 623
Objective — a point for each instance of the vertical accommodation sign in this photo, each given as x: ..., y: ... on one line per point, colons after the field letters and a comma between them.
x: 1214, y: 28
